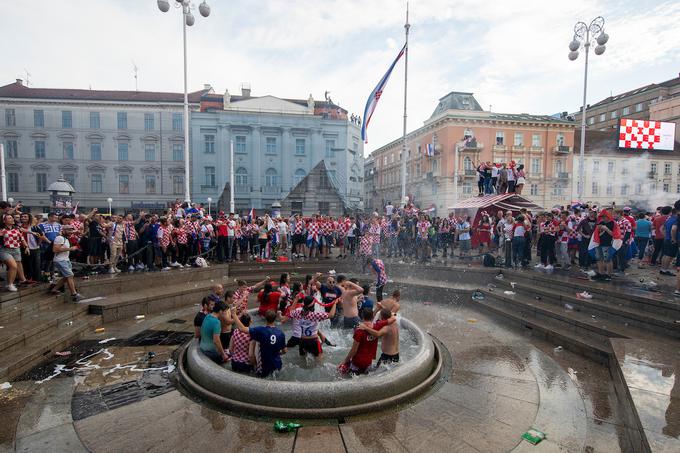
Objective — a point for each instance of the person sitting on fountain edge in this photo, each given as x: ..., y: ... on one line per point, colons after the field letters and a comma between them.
x: 210, y: 343
x: 271, y: 339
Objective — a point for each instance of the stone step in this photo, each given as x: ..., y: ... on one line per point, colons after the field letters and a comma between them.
x: 608, y: 308
x: 595, y: 348
x: 37, y: 325
x: 56, y: 338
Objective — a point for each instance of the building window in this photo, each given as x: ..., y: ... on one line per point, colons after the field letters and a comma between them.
x: 150, y: 152
x: 558, y: 192
x: 241, y: 177
x: 624, y: 168
x: 240, y: 144
x: 536, y: 140
x: 610, y: 167
x: 666, y: 187
x: 677, y: 189
x: 271, y: 145
x: 519, y: 139
x: 209, y: 144
x: 534, y: 190
x: 178, y: 152
x: 96, y: 182
x: 38, y: 118
x: 500, y: 138
x: 595, y: 189
x: 41, y: 182
x: 10, y: 118
x: 124, y: 184
x: 123, y: 151
x: 13, y: 182
x: 66, y: 119
x: 652, y: 168
x: 614, y: 114
x: 122, y: 120
x: 467, y: 188
x: 299, y: 176
x: 70, y: 178
x: 638, y: 107
x: 177, y: 122
x: 610, y: 189
x: 330, y: 144
x: 300, y: 147
x: 667, y: 168
x: 591, y: 120
x: 558, y: 167
x: 13, y: 149
x: 624, y: 189
x: 94, y: 120
x: 39, y: 149
x: 209, y: 173
x: 596, y: 166
x: 148, y: 122
x: 626, y: 111
x: 652, y: 187
x: 68, y: 151
x: 559, y: 140
x: 638, y: 188
x: 535, y: 165
x: 270, y: 177
x: 603, y: 117
x: 150, y: 184
x: 177, y: 184
x: 95, y: 151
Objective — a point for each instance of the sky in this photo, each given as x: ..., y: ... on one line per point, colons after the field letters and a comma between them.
x: 511, y: 54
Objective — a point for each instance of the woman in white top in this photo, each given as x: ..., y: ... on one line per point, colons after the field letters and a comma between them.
x: 518, y: 241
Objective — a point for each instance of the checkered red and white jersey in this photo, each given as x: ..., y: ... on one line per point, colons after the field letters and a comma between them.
x: 392, y: 229
x: 130, y: 232
x: 423, y: 226
x: 12, y: 237
x: 624, y: 226
x: 326, y: 227
x: 166, y: 236
x: 182, y: 234
x: 77, y: 227
x: 452, y: 223
x: 374, y: 229
x: 241, y: 299
x: 299, y: 226
x: 313, y: 230
x: 238, y: 231
x: 240, y: 344
x: 379, y: 268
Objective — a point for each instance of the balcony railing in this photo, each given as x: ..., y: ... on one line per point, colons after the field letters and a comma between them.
x: 500, y: 148
x: 270, y: 189
x: 563, y: 175
x: 470, y: 172
x: 538, y: 149
x: 241, y: 189
x: 518, y: 148
x: 561, y: 149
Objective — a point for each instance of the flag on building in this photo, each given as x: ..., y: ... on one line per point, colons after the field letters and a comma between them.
x: 374, y: 97
x: 429, y: 150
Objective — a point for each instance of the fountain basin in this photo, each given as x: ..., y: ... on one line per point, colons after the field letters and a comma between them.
x: 292, y: 399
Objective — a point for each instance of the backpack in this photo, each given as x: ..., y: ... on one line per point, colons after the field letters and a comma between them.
x: 488, y: 260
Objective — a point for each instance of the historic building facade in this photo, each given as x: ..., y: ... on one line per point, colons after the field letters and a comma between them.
x: 462, y: 135
x: 124, y: 145
x: 277, y: 142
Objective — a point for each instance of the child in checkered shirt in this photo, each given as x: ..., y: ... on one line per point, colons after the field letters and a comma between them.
x: 10, y: 252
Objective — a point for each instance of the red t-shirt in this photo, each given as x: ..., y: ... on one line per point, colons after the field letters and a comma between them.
x: 271, y: 302
x: 368, y: 345
x: 657, y: 225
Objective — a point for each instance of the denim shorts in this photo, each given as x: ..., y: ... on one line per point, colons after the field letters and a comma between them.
x: 7, y: 253
x: 64, y: 268
x: 605, y: 253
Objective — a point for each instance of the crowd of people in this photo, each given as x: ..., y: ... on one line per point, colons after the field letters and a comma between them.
x: 226, y: 332
x: 498, y: 178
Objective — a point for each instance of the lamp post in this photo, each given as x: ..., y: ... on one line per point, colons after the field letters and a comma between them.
x: 10, y: 200
x: 209, y: 202
x: 584, y: 36
x: 187, y: 20
x: 109, y: 201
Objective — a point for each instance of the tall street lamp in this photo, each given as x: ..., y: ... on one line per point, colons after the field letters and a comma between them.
x: 584, y: 36
x: 209, y: 203
x: 109, y: 201
x: 187, y: 20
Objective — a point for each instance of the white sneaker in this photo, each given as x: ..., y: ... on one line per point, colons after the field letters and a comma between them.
x: 12, y: 288
x: 174, y: 264
x: 140, y: 266
x: 112, y: 270
x: 180, y: 265
x: 131, y: 268
x: 165, y: 269
x: 539, y: 267
x: 549, y: 268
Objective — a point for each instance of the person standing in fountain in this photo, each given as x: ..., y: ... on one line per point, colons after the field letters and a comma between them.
x: 349, y: 302
x: 309, y: 326
x: 364, y: 347
x: 271, y: 339
x: 388, y: 329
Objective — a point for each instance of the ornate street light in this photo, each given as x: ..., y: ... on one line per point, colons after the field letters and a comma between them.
x: 188, y: 19
x: 584, y: 36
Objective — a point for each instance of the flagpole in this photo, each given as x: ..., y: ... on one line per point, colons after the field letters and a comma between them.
x: 403, y: 146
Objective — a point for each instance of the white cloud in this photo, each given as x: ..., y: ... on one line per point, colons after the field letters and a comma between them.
x: 512, y: 55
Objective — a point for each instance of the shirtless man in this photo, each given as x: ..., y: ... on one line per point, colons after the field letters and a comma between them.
x: 226, y: 319
x: 348, y: 299
x: 389, y: 344
x: 391, y: 303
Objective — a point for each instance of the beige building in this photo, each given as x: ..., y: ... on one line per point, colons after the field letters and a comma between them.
x: 634, y: 104
x: 624, y: 176
x: 667, y: 110
x: 463, y: 135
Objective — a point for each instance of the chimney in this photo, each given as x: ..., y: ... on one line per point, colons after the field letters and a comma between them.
x: 20, y: 82
x: 245, y: 90
x: 207, y: 86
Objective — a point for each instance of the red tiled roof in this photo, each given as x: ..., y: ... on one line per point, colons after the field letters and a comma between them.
x: 20, y: 91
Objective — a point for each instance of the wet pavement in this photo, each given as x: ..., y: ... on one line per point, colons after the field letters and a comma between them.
x: 503, y: 382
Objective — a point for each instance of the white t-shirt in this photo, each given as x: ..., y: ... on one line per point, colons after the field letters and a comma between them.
x: 464, y: 236
x: 494, y: 172
x: 511, y: 174
x: 389, y: 209
x: 62, y: 241
x: 231, y: 228
x: 283, y: 228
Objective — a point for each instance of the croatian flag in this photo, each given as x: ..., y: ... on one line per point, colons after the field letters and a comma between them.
x: 429, y: 150
x: 374, y: 97
x: 251, y: 215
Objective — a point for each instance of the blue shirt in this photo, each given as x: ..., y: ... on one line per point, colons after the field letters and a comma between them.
x: 367, y: 303
x: 211, y: 326
x: 271, y: 341
x: 643, y: 228
x: 672, y: 220
x: 51, y: 230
